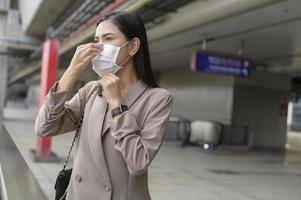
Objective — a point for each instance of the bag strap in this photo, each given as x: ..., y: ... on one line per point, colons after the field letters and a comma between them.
x: 77, y: 131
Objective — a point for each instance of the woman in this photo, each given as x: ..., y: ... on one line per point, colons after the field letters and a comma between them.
x: 122, y: 128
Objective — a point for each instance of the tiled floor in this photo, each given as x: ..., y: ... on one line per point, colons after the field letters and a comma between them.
x: 183, y: 173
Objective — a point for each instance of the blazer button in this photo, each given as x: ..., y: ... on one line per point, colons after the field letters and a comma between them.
x: 78, y: 178
x: 108, y: 187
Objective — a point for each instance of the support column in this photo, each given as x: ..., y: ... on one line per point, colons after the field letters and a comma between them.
x: 3, y: 57
x: 50, y: 58
x: 3, y: 78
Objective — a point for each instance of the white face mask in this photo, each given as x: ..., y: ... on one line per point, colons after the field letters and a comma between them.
x: 105, y: 61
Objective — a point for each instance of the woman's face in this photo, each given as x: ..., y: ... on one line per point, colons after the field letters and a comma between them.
x: 108, y: 33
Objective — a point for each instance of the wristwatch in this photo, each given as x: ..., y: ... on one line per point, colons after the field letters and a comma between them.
x: 118, y: 110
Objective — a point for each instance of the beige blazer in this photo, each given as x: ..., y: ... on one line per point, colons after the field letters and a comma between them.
x: 111, y: 156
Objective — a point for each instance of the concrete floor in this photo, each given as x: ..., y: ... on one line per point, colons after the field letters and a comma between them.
x: 182, y: 173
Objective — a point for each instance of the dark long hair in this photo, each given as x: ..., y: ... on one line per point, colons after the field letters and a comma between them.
x: 131, y: 25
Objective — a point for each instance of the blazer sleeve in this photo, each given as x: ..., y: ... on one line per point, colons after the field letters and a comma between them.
x: 58, y: 114
x: 139, y: 147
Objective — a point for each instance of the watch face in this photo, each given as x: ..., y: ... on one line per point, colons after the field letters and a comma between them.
x: 120, y: 109
x: 123, y: 108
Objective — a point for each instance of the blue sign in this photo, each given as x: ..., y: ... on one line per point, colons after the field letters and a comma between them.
x: 220, y: 64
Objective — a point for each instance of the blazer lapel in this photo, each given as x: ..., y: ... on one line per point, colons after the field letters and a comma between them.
x: 132, y: 94
x: 98, y: 112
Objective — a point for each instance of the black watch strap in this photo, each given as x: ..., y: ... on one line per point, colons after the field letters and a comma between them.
x: 118, y: 110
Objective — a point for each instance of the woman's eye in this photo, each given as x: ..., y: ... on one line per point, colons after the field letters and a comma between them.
x: 108, y: 38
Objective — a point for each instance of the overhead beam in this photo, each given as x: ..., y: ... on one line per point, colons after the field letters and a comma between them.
x: 200, y: 13
x: 21, y: 74
x: 38, y: 15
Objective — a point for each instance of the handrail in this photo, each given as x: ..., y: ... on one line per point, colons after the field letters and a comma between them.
x: 17, y: 181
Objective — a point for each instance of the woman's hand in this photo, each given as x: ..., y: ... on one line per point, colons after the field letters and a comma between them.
x: 111, y: 89
x: 81, y: 58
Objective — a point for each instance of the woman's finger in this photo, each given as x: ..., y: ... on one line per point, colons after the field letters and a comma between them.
x: 85, y: 52
x: 88, y: 58
x: 113, y: 77
x: 90, y: 45
x: 108, y: 78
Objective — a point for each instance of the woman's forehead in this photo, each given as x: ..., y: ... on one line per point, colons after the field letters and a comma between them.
x: 106, y: 27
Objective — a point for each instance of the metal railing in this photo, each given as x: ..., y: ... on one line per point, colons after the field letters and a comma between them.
x: 17, y: 181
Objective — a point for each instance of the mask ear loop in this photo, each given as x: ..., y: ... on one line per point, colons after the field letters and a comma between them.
x: 126, y: 60
x: 126, y: 43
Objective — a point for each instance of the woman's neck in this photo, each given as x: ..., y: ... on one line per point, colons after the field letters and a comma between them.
x: 127, y: 76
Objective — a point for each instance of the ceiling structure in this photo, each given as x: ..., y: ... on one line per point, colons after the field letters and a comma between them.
x: 270, y: 35
x: 74, y: 23
x: 267, y: 31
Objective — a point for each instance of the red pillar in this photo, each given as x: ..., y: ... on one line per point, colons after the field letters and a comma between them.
x: 50, y: 61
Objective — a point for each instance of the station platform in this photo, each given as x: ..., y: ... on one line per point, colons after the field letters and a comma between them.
x: 189, y: 173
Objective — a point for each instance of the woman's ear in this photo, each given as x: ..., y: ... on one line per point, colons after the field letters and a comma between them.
x: 135, y: 45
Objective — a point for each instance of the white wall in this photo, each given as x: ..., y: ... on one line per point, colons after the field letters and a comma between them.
x: 257, y: 101
x: 28, y: 9
x: 14, y: 29
x: 199, y: 96
x: 4, y: 5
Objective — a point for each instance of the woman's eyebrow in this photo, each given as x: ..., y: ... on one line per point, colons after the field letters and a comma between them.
x: 96, y: 38
x: 106, y: 34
